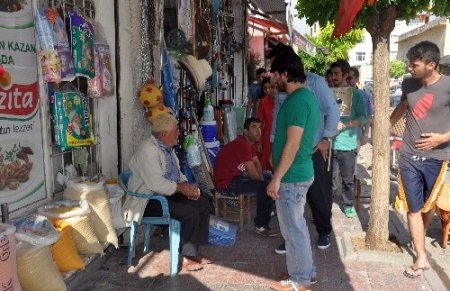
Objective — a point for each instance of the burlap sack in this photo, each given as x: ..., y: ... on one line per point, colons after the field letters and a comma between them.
x: 83, y: 235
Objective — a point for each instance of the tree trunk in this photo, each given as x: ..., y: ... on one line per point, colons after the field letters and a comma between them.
x: 380, y: 26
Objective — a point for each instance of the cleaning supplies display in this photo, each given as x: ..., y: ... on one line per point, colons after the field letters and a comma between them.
x: 193, y: 153
x: 213, y: 149
x: 208, y: 111
x: 208, y: 130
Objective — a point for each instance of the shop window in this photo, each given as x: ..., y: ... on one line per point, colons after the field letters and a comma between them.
x: 360, y: 56
x: 78, y: 161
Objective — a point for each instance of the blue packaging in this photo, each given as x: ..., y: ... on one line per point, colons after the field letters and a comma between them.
x: 221, y: 232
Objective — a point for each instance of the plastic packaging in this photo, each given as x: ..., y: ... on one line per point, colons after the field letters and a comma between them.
x: 102, y: 84
x: 36, y: 230
x: 115, y: 199
x: 8, y: 261
x: 208, y: 130
x: 82, y: 40
x: 208, y: 111
x: 65, y: 209
x: 193, y: 153
x: 221, y: 232
x: 213, y: 150
x: 71, y: 117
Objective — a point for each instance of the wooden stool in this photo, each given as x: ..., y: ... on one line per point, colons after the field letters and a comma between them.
x: 243, y: 204
x: 443, y: 205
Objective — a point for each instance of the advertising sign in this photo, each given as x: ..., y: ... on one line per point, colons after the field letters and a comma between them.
x: 21, y: 153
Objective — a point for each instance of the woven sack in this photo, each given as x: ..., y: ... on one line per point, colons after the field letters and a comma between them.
x: 83, y: 235
x: 95, y: 194
x: 36, y: 269
x: 64, y: 251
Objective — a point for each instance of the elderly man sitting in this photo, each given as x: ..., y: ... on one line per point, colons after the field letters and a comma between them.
x: 156, y: 169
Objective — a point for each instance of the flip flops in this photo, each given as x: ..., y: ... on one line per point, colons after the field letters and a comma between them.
x: 417, y: 272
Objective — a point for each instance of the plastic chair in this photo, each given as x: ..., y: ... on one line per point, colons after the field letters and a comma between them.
x: 148, y: 222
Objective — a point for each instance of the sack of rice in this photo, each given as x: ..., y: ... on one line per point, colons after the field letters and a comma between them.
x: 83, y: 235
x: 64, y: 251
x: 95, y: 194
x: 36, y: 269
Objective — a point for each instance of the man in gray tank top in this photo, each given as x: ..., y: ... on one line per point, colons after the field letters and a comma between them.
x: 425, y: 150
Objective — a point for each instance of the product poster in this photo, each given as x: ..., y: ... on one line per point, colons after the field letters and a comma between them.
x: 21, y: 153
x: 343, y: 97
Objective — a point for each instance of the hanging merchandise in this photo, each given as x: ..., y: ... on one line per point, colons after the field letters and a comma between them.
x: 51, y: 69
x: 72, y: 120
x: 167, y: 82
x: 154, y: 112
x: 102, y: 84
x: 208, y: 111
x: 82, y: 40
x: 150, y: 96
x: 197, y: 70
x: 193, y: 153
x: 44, y: 31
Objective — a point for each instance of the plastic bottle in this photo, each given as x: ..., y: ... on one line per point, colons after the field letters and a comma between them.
x: 193, y: 153
x: 208, y: 110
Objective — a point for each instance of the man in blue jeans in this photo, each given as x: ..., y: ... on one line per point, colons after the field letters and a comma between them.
x: 297, y: 123
x: 319, y: 195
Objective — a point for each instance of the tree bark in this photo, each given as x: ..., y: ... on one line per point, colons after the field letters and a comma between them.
x: 380, y: 26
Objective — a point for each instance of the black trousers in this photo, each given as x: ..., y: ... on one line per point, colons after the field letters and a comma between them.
x: 243, y: 184
x: 320, y: 196
x: 193, y: 216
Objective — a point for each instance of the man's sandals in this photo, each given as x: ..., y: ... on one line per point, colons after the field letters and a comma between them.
x: 413, y: 273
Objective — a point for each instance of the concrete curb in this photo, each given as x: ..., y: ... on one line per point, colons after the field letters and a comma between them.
x: 436, y: 276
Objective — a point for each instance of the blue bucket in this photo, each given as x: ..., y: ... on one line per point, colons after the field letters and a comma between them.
x: 213, y: 150
x: 208, y: 130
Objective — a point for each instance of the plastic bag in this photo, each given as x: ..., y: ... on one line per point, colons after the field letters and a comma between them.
x: 102, y: 84
x: 116, y: 194
x: 65, y: 209
x: 8, y: 261
x: 221, y: 232
x: 72, y: 120
x: 82, y: 40
x: 36, y: 230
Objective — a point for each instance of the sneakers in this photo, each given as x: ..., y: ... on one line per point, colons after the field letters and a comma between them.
x: 350, y: 211
x: 281, y: 249
x: 287, y: 285
x: 265, y: 231
x: 324, y: 241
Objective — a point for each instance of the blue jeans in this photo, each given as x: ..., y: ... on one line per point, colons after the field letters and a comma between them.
x: 290, y: 211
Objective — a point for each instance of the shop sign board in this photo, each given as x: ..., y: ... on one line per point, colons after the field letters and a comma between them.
x: 22, y: 180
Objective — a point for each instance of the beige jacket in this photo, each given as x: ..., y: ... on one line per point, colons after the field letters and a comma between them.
x: 148, y: 166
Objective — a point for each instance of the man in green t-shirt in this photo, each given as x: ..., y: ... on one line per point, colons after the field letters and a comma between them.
x: 346, y: 142
x: 292, y: 149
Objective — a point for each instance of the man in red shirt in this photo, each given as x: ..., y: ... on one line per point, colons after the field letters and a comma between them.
x: 238, y: 170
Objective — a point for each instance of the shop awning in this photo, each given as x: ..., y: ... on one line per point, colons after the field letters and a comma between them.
x: 269, y: 28
x: 271, y: 9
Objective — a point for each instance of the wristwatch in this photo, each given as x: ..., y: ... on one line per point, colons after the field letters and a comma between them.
x: 329, y: 139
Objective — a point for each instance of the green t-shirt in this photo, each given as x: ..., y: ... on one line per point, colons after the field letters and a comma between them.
x: 347, y: 139
x: 300, y: 109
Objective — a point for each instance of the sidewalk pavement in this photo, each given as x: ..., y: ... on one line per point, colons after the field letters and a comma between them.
x: 251, y: 263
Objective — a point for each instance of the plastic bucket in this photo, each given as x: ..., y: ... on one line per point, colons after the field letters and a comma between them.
x: 213, y: 149
x: 208, y: 130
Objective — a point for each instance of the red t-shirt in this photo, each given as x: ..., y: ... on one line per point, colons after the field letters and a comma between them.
x: 230, y: 161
